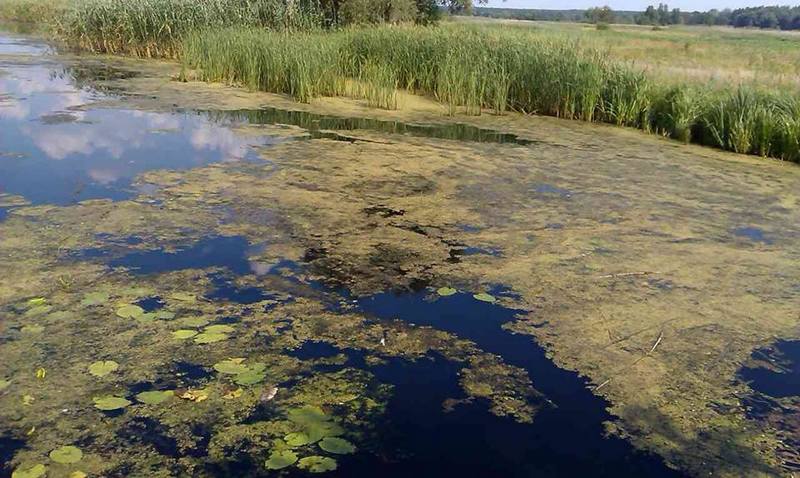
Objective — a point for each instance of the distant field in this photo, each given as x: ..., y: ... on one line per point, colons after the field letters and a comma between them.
x: 677, y: 54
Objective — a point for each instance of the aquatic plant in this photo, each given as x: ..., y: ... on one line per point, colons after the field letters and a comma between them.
x: 446, y: 291
x: 94, y: 298
x: 184, y: 334
x: 66, y: 455
x: 484, y: 297
x: 317, y: 464
x: 336, y: 445
x: 280, y: 459
x: 209, y: 337
x: 154, y: 397
x: 110, y: 402
x: 130, y: 311
x: 35, y: 471
x: 102, y: 368
x: 297, y: 439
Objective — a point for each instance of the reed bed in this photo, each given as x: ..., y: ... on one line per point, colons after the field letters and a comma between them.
x: 474, y: 70
x: 155, y: 28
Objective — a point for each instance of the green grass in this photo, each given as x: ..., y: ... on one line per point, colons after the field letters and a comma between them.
x: 473, y: 70
x: 155, y: 28
x: 575, y: 74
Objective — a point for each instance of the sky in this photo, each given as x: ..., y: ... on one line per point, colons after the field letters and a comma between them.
x: 686, y: 5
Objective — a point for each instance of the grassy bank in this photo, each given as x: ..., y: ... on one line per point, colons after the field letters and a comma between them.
x: 265, y: 45
x: 473, y: 69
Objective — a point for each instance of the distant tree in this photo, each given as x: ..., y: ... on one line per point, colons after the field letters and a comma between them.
x: 675, y: 17
x: 768, y: 20
x: 600, y: 15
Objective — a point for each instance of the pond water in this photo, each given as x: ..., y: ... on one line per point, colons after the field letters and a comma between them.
x: 265, y: 292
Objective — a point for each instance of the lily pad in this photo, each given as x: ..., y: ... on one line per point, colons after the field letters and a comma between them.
x: 484, y: 297
x: 297, y: 439
x: 183, y: 297
x: 232, y: 366
x: 219, y: 329
x: 78, y: 474
x: 66, y: 455
x: 103, y: 367
x: 110, y: 402
x: 154, y: 397
x: 445, y: 291
x: 35, y: 471
x: 339, y: 446
x: 184, y: 334
x: 4, y: 384
x: 130, y: 311
x: 318, y: 431
x: 147, y: 317
x: 94, y: 298
x: 165, y: 315
x: 307, y: 414
x: 280, y: 459
x: 317, y: 464
x: 253, y: 375
x: 193, y: 321
x: 38, y: 310
x: 32, y: 329
x: 210, y: 338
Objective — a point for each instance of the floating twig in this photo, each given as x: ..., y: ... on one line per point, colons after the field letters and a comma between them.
x: 627, y: 274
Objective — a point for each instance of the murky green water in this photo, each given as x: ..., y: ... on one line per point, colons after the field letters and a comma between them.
x: 195, y: 292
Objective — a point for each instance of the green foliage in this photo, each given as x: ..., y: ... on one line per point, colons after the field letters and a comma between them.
x: 34, y: 471
x: 110, y: 402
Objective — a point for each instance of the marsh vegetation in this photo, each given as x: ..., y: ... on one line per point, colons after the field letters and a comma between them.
x: 294, y: 48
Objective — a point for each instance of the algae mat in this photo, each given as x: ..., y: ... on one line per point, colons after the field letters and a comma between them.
x: 196, y: 286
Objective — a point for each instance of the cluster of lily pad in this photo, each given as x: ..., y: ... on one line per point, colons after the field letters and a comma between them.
x: 65, y: 455
x: 481, y: 296
x: 316, y: 428
x: 241, y: 373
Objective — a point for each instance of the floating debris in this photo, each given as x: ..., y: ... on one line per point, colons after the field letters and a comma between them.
x: 66, y: 455
x: 41, y: 373
x: 268, y: 394
x: 194, y: 395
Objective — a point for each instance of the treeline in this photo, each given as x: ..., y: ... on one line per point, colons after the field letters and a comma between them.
x: 776, y: 17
